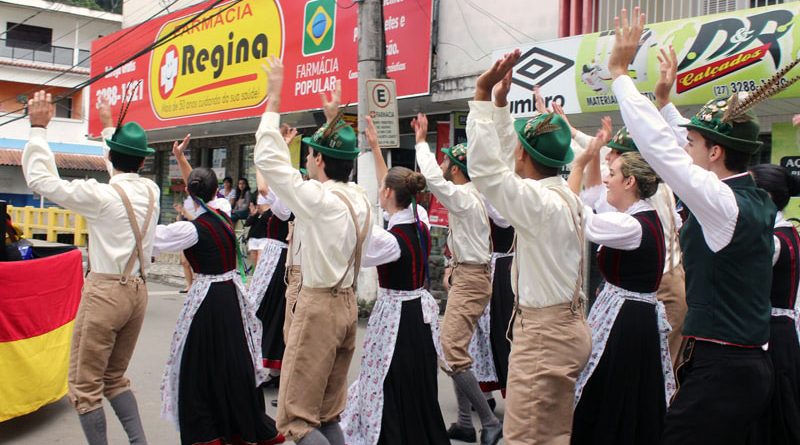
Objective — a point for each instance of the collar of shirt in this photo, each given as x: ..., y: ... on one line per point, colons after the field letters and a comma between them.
x: 123, y: 177
x: 737, y: 175
x: 552, y: 181
x: 638, y: 207
x: 406, y: 216
x: 780, y: 221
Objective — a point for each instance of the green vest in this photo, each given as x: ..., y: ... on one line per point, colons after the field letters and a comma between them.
x: 728, y: 291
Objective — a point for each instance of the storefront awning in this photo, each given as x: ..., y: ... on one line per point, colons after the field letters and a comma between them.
x: 67, y: 161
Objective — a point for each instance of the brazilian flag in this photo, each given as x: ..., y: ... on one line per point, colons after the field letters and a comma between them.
x: 320, y: 26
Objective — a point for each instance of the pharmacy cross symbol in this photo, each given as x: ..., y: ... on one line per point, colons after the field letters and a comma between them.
x: 538, y: 66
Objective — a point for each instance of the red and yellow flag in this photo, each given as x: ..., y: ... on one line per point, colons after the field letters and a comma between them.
x: 38, y: 302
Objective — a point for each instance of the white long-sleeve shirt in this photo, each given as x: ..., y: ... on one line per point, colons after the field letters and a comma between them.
x: 111, y: 240
x: 383, y: 247
x: 548, y: 251
x: 710, y: 199
x: 470, y: 234
x: 617, y: 230
x: 182, y: 235
x: 322, y: 221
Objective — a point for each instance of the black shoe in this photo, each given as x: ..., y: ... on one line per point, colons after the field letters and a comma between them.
x: 490, y: 435
x: 462, y: 433
x: 274, y: 403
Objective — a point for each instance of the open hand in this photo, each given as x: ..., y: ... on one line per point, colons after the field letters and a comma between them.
x: 796, y: 120
x: 420, y: 126
x: 274, y: 70
x: 557, y: 109
x: 501, y: 89
x: 178, y: 147
x: 372, y: 133
x: 538, y: 100
x: 495, y: 74
x: 331, y: 107
x: 288, y: 132
x: 41, y: 109
x: 607, y: 130
x: 104, y: 112
x: 668, y: 69
x: 626, y: 41
x: 592, y: 150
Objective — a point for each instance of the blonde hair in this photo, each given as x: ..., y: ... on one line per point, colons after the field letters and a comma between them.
x: 632, y: 164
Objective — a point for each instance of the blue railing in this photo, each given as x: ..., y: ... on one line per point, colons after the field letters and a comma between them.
x: 57, y: 55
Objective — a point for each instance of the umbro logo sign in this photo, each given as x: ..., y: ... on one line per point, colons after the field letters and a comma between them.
x: 538, y: 66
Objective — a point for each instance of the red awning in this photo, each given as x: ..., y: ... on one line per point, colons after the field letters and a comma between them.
x: 66, y: 161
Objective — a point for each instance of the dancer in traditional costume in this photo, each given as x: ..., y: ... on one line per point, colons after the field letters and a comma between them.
x: 727, y: 247
x: 121, y: 216
x: 470, y: 285
x: 781, y: 424
x: 210, y: 386
x: 551, y: 341
x: 629, y: 373
x: 333, y: 216
x: 395, y: 398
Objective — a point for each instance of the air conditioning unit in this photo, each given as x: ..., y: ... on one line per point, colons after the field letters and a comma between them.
x: 708, y: 7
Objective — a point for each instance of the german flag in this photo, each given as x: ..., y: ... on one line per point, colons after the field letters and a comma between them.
x: 38, y: 302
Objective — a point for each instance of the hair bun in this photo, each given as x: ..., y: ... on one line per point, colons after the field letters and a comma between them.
x: 415, y: 182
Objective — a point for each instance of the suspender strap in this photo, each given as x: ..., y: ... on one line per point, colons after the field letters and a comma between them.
x: 361, y: 235
x: 137, y: 233
x: 577, y: 221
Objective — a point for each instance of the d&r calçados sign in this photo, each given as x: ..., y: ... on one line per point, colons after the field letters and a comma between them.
x: 214, y: 65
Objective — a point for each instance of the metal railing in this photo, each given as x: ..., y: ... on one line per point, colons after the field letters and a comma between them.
x: 51, y: 221
x: 57, y: 55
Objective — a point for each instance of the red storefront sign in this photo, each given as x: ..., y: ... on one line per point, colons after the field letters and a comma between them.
x: 211, y: 70
x: 437, y: 213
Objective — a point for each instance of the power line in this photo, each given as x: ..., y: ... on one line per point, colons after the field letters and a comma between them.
x: 51, y: 9
x: 164, y: 40
x: 483, y: 11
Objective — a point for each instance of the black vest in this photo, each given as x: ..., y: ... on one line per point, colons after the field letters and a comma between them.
x: 408, y: 272
x: 502, y: 239
x: 277, y: 228
x: 215, y: 251
x: 727, y: 292
x: 637, y: 270
x: 786, y: 272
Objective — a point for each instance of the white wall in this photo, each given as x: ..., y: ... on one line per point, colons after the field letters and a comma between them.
x: 62, y: 23
x: 469, y: 30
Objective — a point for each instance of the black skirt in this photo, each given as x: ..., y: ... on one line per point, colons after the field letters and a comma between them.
x: 411, y: 413
x: 501, y: 308
x: 623, y: 402
x: 218, y: 401
x: 781, y: 424
x: 272, y: 313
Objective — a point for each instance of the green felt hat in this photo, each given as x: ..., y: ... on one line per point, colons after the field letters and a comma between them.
x: 457, y: 155
x: 130, y: 139
x: 739, y: 132
x: 622, y: 141
x: 340, y: 142
x: 546, y: 138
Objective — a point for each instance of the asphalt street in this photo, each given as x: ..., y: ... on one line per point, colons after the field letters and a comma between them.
x: 58, y: 423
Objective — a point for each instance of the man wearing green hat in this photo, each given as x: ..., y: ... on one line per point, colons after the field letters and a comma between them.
x: 333, y: 218
x: 516, y: 166
x: 121, y: 217
x: 469, y: 241
x: 727, y: 246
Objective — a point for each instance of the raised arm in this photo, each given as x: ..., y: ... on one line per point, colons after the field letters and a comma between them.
x: 272, y: 154
x: 668, y: 71
x: 183, y: 163
x: 453, y: 197
x: 503, y: 123
x: 710, y: 200
x: 372, y: 138
x: 588, y: 159
x: 41, y: 173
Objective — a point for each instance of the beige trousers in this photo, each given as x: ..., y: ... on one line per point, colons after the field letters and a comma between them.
x: 550, y: 348
x: 322, y: 339
x: 672, y: 292
x: 294, y: 280
x: 470, y: 291
x: 107, y: 326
